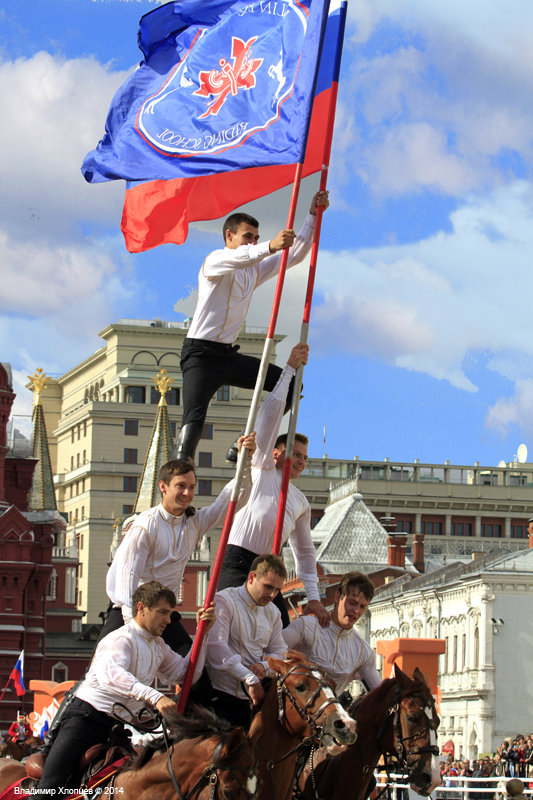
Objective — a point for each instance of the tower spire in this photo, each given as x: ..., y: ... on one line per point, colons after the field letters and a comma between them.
x: 42, y: 493
x: 159, y: 450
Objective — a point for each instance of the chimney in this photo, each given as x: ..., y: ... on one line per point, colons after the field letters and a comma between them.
x: 418, y: 552
x: 396, y: 542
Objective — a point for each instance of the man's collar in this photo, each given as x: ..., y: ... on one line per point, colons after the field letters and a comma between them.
x: 142, y: 631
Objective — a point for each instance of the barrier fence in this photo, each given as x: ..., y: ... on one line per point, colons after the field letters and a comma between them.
x: 468, y: 788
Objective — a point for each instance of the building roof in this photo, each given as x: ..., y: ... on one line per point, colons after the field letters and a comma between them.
x: 493, y: 563
x: 350, y: 536
x: 42, y: 493
x: 159, y: 452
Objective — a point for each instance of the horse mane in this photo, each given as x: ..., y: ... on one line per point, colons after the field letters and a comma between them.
x: 203, y: 724
x: 404, y: 682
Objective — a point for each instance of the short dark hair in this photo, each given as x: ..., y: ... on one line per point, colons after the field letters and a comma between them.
x: 178, y: 466
x: 298, y: 437
x: 150, y: 594
x: 358, y: 581
x: 261, y: 565
x: 234, y: 220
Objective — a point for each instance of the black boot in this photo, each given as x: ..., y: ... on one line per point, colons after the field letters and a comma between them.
x: 52, y: 731
x: 187, y: 441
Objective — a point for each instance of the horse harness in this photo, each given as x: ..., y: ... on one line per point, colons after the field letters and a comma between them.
x: 403, y: 752
x: 210, y: 774
x: 303, y: 711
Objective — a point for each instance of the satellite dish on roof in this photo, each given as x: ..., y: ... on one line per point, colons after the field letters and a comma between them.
x: 521, y: 454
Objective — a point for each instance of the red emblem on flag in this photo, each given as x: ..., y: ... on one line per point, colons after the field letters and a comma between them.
x: 229, y: 79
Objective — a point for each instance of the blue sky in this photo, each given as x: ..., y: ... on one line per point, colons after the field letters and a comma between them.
x: 422, y: 344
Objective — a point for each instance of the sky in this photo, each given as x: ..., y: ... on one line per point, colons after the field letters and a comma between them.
x: 421, y: 335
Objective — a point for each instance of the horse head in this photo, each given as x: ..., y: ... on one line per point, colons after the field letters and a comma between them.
x: 414, y: 729
x: 236, y: 768
x: 307, y: 703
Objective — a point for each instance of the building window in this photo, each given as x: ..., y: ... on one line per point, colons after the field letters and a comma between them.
x: 82, y: 512
x: 51, y: 590
x: 490, y: 530
x: 130, y: 455
x: 129, y: 483
x: 316, y: 516
x: 518, y: 531
x: 205, y: 459
x: 131, y: 427
x: 204, y: 487
x: 432, y: 527
x: 404, y: 526
x: 462, y: 529
x: 72, y: 462
x: 135, y: 394
x: 85, y: 428
x: 223, y: 394
x: 59, y: 672
x: 476, y: 648
x: 78, y: 459
x: 72, y: 436
x: 172, y: 396
x: 70, y: 585
x: 207, y: 432
x: 84, y: 457
x: 127, y: 509
x: 173, y: 429
x: 201, y: 587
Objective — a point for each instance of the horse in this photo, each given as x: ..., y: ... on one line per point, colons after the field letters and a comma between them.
x: 202, y: 758
x: 19, y: 750
x: 10, y: 771
x: 207, y: 758
x: 299, y: 708
x: 396, y: 718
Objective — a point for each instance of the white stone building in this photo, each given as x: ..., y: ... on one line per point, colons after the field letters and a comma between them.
x: 483, y: 610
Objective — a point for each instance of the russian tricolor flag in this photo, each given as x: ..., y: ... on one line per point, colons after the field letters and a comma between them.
x: 197, y: 166
x: 17, y: 674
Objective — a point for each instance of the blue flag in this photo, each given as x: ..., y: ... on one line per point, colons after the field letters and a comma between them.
x: 224, y: 85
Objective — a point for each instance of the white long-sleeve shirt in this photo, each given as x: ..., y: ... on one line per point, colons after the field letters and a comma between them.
x: 254, y: 525
x: 342, y: 654
x: 124, y: 666
x: 228, y: 278
x: 159, y: 544
x: 243, y: 634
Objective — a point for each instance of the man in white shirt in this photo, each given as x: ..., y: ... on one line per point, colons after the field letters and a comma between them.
x: 161, y: 540
x: 338, y: 649
x: 226, y: 282
x: 124, y: 666
x: 253, y: 528
x: 247, y: 630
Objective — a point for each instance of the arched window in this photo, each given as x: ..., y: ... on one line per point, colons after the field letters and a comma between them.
x: 476, y: 648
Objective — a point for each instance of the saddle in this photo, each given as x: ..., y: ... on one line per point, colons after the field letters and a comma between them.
x: 97, y: 765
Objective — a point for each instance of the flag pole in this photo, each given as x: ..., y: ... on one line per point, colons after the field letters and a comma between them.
x: 304, y: 331
x: 241, y: 463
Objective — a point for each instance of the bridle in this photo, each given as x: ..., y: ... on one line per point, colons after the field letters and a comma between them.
x: 403, y: 750
x: 147, y: 720
x: 284, y: 692
x: 210, y: 774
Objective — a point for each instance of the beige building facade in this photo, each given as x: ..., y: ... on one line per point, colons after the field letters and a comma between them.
x: 100, y: 416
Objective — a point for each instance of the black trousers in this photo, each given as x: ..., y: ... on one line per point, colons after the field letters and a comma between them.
x: 235, y: 569
x: 81, y: 727
x: 233, y: 709
x: 206, y: 366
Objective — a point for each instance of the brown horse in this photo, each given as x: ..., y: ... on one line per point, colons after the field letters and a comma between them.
x: 397, y: 718
x: 207, y: 759
x: 19, y: 750
x: 299, y: 708
x: 10, y: 771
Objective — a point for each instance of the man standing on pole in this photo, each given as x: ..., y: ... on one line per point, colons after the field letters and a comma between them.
x: 252, y: 532
x: 226, y: 282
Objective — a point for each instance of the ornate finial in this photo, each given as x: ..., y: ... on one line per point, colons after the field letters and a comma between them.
x: 162, y: 382
x: 39, y: 382
x: 116, y: 523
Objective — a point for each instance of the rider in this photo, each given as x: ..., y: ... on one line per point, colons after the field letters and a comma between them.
x: 123, y: 668
x: 252, y: 532
x: 20, y: 729
x: 338, y: 649
x: 247, y: 630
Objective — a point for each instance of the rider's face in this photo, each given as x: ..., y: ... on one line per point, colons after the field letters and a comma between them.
x: 349, y: 608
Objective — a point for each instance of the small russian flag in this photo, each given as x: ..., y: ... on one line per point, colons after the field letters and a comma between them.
x: 44, y: 729
x: 17, y: 675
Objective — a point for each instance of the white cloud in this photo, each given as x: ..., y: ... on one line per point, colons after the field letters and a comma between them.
x: 514, y: 411
x: 426, y: 306
x: 53, y: 113
x: 439, y: 107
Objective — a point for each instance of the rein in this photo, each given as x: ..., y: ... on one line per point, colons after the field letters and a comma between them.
x: 303, y: 711
x: 403, y: 752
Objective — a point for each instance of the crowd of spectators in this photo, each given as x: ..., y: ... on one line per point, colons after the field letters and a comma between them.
x: 512, y: 759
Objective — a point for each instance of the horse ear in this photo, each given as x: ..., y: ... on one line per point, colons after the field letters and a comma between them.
x: 396, y: 672
x: 418, y: 675
x: 235, y: 740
